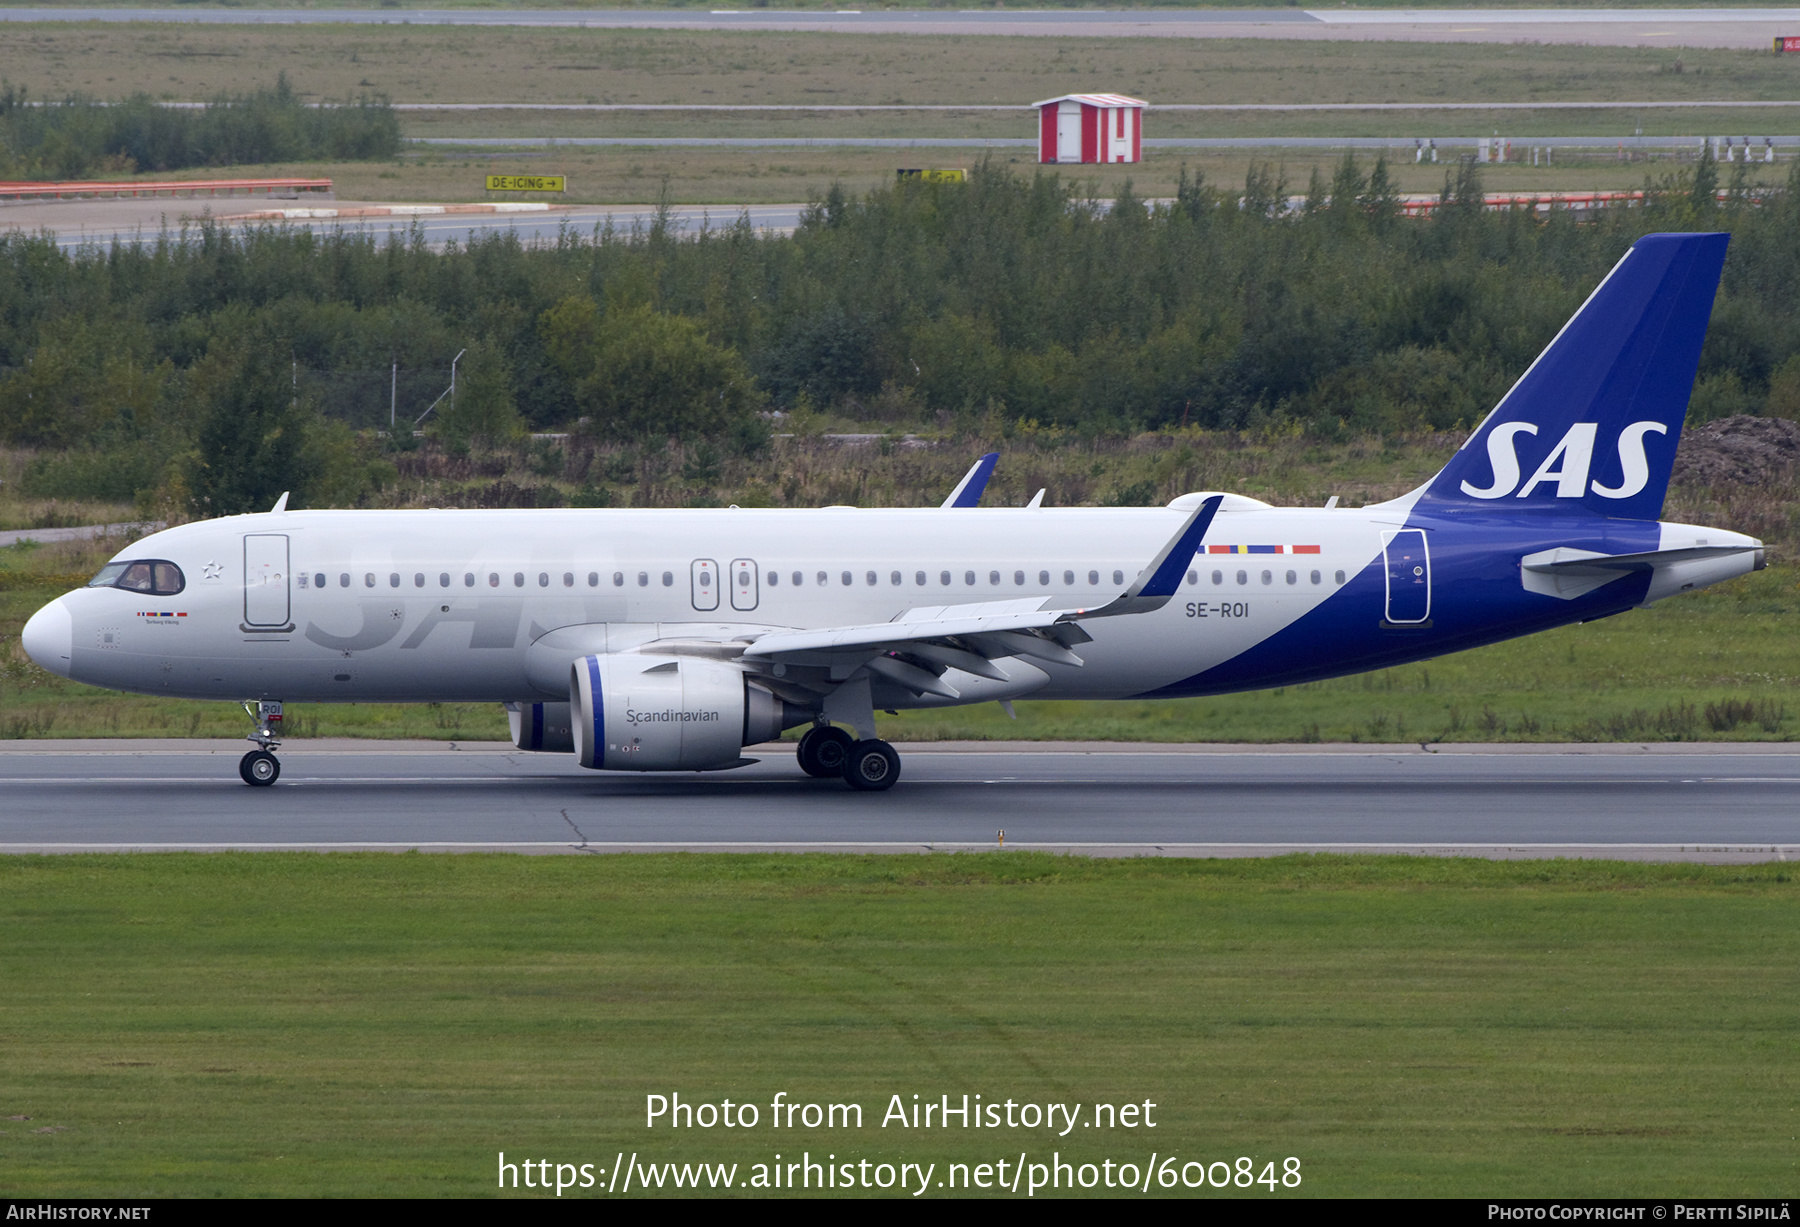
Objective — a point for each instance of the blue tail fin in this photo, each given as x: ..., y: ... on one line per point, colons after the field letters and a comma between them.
x: 1595, y: 420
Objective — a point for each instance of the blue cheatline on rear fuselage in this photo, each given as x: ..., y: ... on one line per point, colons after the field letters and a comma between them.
x: 1577, y: 454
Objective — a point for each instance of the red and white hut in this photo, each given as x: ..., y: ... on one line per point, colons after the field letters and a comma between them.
x: 1091, y: 128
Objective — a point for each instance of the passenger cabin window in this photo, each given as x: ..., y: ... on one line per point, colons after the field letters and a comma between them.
x: 1093, y: 577
x: 1218, y: 577
x: 944, y: 578
x: 668, y: 579
x: 774, y: 579
x: 1292, y: 577
x: 1193, y: 578
x: 1243, y: 577
x: 368, y: 579
x: 518, y: 579
x: 151, y: 576
x: 823, y: 579
x: 419, y: 579
x: 846, y: 579
x: 643, y: 579
x: 319, y: 580
x: 569, y: 579
x: 493, y: 579
x: 798, y: 579
x: 894, y: 579
x: 1068, y: 577
x: 468, y: 579
x: 443, y: 579
x: 1315, y: 577
x: 993, y: 577
x: 919, y: 578
x: 1043, y: 579
x: 969, y: 578
x: 1340, y: 577
x: 1118, y: 577
x: 344, y: 580
x: 393, y: 579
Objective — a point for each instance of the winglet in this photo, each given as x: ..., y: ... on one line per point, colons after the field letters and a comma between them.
x: 280, y: 503
x: 1162, y: 577
x: 969, y: 490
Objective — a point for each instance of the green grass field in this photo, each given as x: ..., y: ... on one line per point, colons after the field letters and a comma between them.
x: 385, y: 1025
x: 418, y: 64
x: 462, y: 65
x: 731, y: 177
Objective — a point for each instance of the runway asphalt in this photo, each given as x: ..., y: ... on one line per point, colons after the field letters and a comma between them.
x: 140, y: 221
x: 1698, y: 803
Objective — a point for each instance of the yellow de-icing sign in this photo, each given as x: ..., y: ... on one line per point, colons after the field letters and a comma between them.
x: 525, y: 183
x: 932, y: 176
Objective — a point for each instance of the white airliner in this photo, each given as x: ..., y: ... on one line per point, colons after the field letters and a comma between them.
x: 670, y: 640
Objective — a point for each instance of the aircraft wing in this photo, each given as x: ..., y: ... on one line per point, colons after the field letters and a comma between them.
x: 1027, y: 617
x: 963, y: 635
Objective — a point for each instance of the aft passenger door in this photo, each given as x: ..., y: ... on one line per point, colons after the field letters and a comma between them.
x: 265, y: 579
x: 1408, y: 576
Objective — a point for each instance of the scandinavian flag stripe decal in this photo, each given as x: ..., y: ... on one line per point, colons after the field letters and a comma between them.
x: 1262, y: 549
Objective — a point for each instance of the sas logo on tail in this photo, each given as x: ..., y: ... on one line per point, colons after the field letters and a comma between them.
x: 1568, y: 463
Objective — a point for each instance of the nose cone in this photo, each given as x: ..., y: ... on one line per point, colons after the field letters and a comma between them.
x: 49, y: 638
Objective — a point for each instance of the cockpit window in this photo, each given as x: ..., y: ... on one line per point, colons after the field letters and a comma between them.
x: 152, y: 577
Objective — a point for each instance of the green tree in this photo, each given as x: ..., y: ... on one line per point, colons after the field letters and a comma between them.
x: 1703, y: 196
x: 482, y: 411
x: 250, y: 438
x: 644, y: 376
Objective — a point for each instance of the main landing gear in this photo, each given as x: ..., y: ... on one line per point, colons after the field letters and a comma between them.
x: 260, y: 768
x: 867, y: 766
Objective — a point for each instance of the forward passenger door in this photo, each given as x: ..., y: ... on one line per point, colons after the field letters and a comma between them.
x: 265, y: 579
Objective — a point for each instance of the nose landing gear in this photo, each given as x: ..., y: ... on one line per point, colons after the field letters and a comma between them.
x: 260, y: 768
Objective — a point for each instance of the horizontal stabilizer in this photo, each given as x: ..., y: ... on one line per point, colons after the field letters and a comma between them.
x: 1569, y: 573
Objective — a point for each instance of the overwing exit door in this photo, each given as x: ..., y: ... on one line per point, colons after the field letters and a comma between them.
x: 705, y: 578
x: 265, y: 579
x: 743, y: 584
x: 1408, y: 576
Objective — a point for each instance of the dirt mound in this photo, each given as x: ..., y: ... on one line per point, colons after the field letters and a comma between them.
x: 1738, y: 451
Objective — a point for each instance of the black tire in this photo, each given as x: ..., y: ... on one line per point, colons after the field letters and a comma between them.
x: 824, y: 751
x: 259, y: 768
x: 873, y: 766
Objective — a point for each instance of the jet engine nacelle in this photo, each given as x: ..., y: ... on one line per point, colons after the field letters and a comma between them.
x: 541, y: 726
x: 657, y: 713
